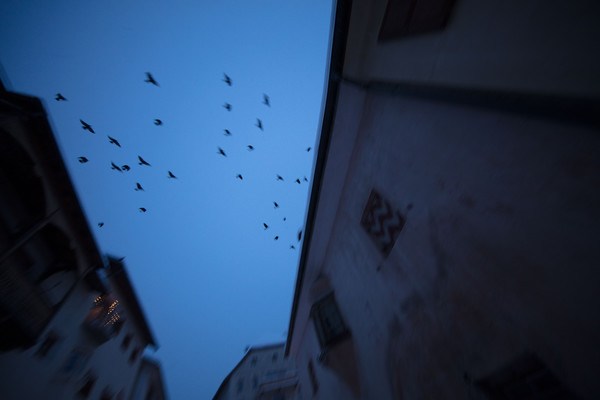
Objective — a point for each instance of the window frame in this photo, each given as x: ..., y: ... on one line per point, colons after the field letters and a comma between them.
x: 326, y: 335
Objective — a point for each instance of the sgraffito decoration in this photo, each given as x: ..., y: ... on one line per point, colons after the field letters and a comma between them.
x: 382, y: 222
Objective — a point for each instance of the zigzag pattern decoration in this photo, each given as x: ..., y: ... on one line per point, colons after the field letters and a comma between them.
x: 382, y: 222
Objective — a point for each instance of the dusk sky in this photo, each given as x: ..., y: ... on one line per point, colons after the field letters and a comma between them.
x: 209, y: 277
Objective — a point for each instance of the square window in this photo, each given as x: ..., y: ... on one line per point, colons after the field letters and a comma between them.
x: 328, y: 321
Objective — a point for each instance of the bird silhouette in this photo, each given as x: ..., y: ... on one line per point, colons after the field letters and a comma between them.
x: 259, y: 124
x: 227, y: 106
x: 299, y: 235
x: 86, y: 126
x: 227, y: 79
x: 142, y: 209
x: 240, y: 177
x: 150, y: 79
x: 276, y: 238
x: 100, y: 224
x: 305, y: 179
x: 114, y: 141
x: 125, y: 167
x: 266, y: 100
x: 309, y: 149
x: 250, y: 147
x: 82, y: 160
x: 143, y: 162
x: 279, y: 178
x: 227, y: 133
x: 275, y: 204
x: 266, y: 226
x: 284, y: 218
x: 60, y: 97
x: 138, y: 187
x: 171, y: 175
x: 221, y: 152
x: 114, y: 166
x: 298, y: 181
x: 157, y: 122
x: 292, y: 247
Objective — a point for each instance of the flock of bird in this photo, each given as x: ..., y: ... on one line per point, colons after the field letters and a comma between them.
x: 259, y: 125
x: 138, y: 187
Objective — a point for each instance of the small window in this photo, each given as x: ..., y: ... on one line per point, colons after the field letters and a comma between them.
x: 381, y: 222
x: 48, y: 344
x: 524, y: 378
x: 88, y: 385
x: 126, y: 341
x: 253, y: 362
x: 328, y: 321
x: 134, y: 354
x: 313, y: 377
x: 274, y: 358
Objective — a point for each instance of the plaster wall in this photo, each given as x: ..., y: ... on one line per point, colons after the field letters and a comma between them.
x: 497, y: 257
x: 526, y: 46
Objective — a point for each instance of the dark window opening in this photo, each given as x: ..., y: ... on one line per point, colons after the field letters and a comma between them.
x: 86, y: 389
x: 134, y: 354
x: 524, y: 378
x: 405, y: 18
x: 313, y: 377
x: 253, y: 362
x: 328, y: 321
x: 49, y: 342
x: 274, y: 358
x: 126, y: 341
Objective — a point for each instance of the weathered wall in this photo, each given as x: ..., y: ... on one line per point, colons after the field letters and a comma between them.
x: 498, y: 254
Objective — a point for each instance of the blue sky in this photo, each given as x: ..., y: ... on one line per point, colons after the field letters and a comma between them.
x: 210, y: 278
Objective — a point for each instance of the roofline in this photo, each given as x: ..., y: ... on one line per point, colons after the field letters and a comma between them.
x: 336, y: 65
x: 119, y: 276
x: 228, y: 377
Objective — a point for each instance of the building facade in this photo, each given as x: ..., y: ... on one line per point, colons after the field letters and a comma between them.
x: 262, y: 374
x: 71, y: 324
x: 450, y: 248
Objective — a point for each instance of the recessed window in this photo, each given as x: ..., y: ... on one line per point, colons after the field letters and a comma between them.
x: 313, y: 377
x: 524, y: 378
x: 381, y: 222
x: 47, y: 345
x: 328, y: 321
x: 405, y: 18
x: 126, y: 341
x: 88, y: 384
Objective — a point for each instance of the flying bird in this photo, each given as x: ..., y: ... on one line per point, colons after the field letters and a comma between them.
x: 138, y: 187
x: 171, y: 175
x: 292, y: 247
x: 298, y: 181
x: 100, y: 224
x: 60, y: 97
x: 240, y: 177
x: 150, y: 79
x: 227, y: 133
x: 305, y: 179
x: 227, y: 106
x: 259, y: 124
x: 266, y: 226
x: 250, y: 147
x: 82, y: 160
x: 221, y: 152
x: 86, y: 126
x: 299, y: 235
x: 143, y: 162
x: 227, y: 79
x: 266, y: 100
x: 142, y: 209
x: 114, y: 166
x: 114, y: 141
x: 284, y: 218
x: 276, y: 205
x: 279, y: 178
x: 276, y: 238
x: 308, y: 149
x: 125, y: 167
x: 157, y: 122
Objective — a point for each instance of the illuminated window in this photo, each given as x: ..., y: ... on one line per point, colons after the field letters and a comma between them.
x: 105, y: 318
x: 328, y: 321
